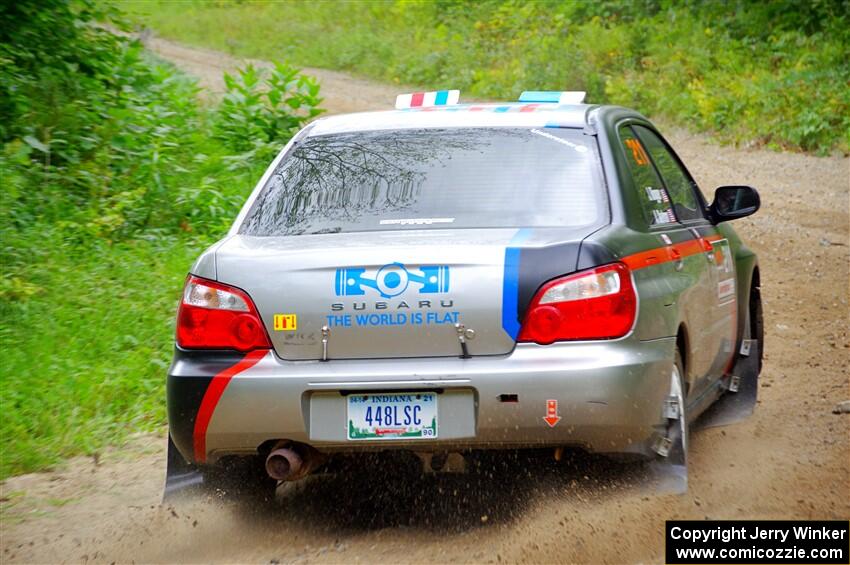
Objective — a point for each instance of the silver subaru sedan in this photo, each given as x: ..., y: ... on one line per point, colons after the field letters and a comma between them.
x: 450, y: 278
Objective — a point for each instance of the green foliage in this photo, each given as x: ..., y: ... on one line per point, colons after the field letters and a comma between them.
x: 756, y: 73
x: 97, y: 126
x: 259, y: 110
x: 113, y: 179
x: 85, y: 349
x: 51, y: 56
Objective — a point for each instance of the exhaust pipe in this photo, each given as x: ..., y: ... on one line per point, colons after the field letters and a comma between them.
x: 284, y: 464
x: 292, y: 462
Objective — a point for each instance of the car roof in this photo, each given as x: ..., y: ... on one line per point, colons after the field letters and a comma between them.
x: 510, y: 114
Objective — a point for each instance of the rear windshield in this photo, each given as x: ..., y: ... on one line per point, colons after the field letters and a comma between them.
x: 431, y: 178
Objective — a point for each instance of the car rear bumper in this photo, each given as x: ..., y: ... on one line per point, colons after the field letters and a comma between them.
x: 609, y: 397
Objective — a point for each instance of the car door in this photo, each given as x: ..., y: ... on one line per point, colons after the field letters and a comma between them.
x: 714, y: 250
x: 685, y: 282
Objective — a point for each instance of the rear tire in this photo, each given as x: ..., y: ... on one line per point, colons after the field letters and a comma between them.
x: 677, y: 429
x: 668, y: 471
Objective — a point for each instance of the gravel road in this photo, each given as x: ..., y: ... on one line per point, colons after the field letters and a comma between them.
x: 789, y: 460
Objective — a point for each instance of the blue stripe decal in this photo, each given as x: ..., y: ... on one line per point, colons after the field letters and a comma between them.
x: 540, y: 96
x: 510, y: 284
x: 502, y: 109
x: 441, y: 98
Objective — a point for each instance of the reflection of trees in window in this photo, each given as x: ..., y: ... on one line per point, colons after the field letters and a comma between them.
x: 675, y: 179
x: 651, y: 193
x: 328, y: 180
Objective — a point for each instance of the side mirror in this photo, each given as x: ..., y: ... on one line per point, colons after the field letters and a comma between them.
x: 733, y: 202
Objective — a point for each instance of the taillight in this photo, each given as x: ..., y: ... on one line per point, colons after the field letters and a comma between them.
x: 596, y: 304
x: 216, y: 316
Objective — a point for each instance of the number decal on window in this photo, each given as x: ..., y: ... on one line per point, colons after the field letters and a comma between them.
x: 637, y: 152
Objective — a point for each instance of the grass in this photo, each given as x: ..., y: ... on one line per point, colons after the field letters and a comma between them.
x: 95, y: 252
x: 85, y: 357
x: 113, y: 183
x: 114, y: 177
x: 746, y: 71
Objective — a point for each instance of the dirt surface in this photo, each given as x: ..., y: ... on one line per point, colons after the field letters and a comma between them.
x: 342, y: 93
x: 791, y: 459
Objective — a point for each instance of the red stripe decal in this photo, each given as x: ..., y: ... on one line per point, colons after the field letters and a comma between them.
x: 676, y: 252
x: 668, y: 253
x: 529, y: 108
x: 416, y: 99
x: 213, y: 395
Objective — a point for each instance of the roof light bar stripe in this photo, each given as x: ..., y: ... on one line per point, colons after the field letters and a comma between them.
x: 559, y: 97
x: 427, y: 99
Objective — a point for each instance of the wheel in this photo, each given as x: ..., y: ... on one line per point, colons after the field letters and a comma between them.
x: 668, y: 471
x: 677, y: 430
x: 677, y: 418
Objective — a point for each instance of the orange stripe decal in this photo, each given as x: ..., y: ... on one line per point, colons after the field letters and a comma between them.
x: 213, y: 395
x: 667, y: 253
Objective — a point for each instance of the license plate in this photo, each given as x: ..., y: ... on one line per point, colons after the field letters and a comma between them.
x: 392, y: 416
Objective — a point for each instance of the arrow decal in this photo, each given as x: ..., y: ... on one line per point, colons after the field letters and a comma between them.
x: 552, y: 417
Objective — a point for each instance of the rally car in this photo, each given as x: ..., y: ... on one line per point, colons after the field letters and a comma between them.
x: 447, y: 278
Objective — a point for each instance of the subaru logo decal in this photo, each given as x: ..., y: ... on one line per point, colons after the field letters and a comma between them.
x: 392, y: 280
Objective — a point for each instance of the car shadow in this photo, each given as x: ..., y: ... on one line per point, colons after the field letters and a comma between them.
x: 380, y: 491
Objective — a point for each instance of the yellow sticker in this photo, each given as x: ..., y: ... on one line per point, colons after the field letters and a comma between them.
x: 285, y: 322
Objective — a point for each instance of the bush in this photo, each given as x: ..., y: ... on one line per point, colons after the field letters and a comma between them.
x: 752, y: 72
x: 114, y: 178
x: 263, y: 108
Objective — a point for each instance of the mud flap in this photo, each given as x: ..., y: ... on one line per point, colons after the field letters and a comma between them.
x: 180, y: 475
x: 739, y: 400
x: 668, y: 473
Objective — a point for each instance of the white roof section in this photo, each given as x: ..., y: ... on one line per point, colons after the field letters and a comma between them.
x: 462, y: 115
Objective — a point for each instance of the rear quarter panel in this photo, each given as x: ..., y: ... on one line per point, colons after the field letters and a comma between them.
x: 660, y: 289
